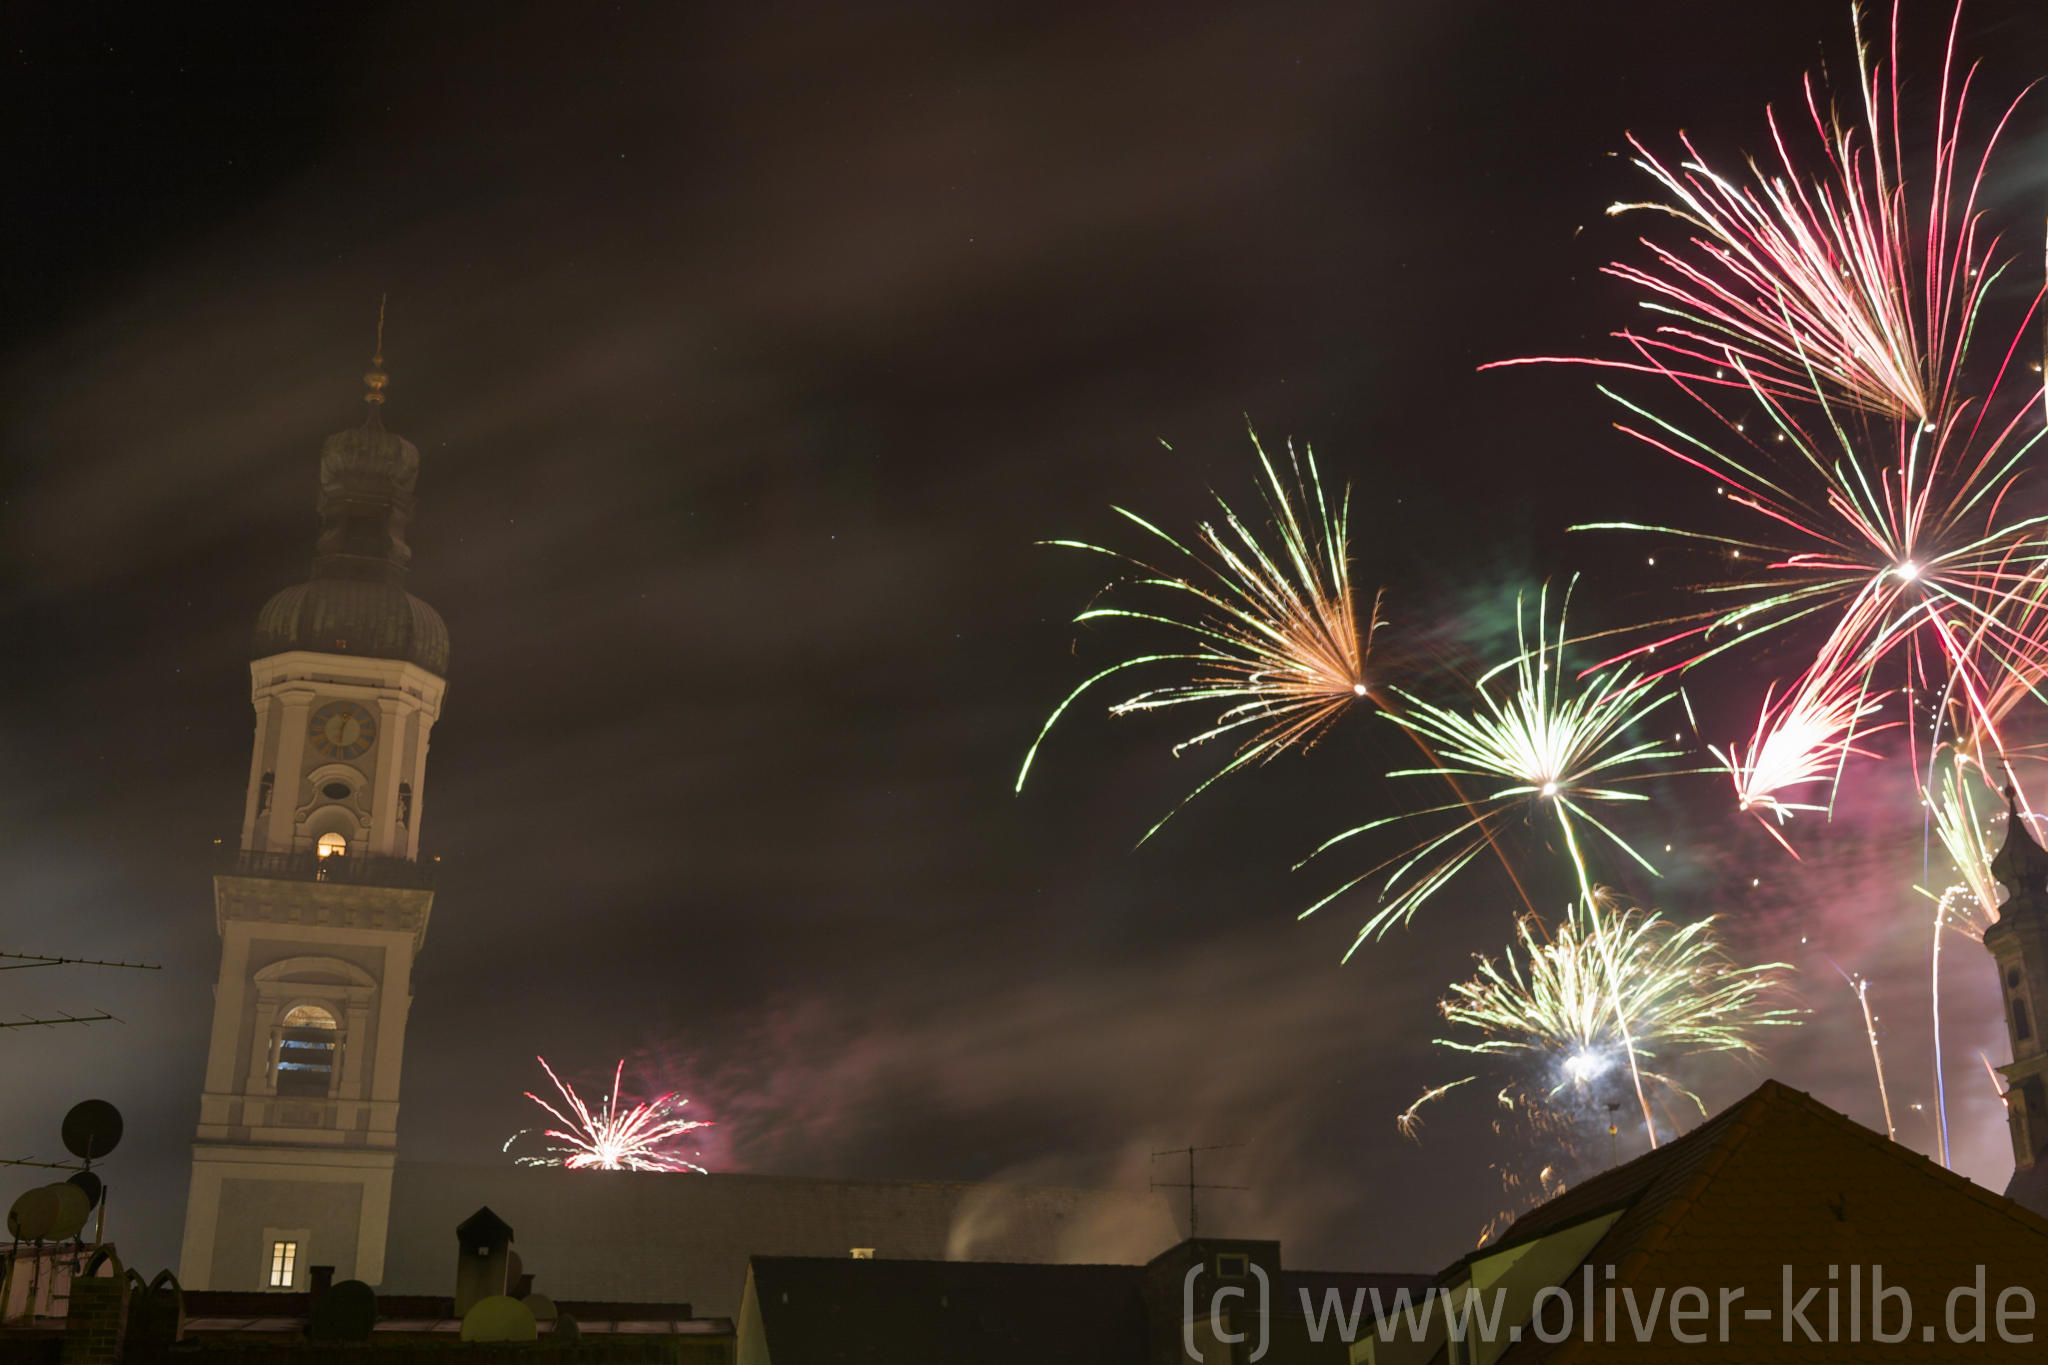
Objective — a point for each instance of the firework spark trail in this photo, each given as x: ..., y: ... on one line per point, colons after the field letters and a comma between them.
x: 1273, y: 630
x: 1904, y: 555
x: 2000, y: 661
x: 611, y: 1139
x: 1859, y: 986
x: 1805, y: 278
x: 1559, y: 744
x: 1965, y: 835
x: 1557, y: 747
x: 1802, y: 738
x: 1410, y: 1120
x: 1992, y: 1072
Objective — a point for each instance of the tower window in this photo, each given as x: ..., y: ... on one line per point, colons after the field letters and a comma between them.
x: 305, y: 1052
x: 404, y: 804
x: 331, y: 845
x: 284, y: 1257
x: 337, y: 791
x: 2021, y: 1028
x: 263, y: 790
x: 2012, y: 979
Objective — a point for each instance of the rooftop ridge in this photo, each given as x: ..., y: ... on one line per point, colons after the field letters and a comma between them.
x: 1681, y: 1203
x: 1920, y: 1161
x: 1711, y: 1144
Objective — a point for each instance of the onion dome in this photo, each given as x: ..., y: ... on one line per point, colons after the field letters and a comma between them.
x: 2022, y: 865
x: 356, y: 602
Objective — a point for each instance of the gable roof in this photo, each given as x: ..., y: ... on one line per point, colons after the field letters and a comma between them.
x: 1779, y: 1180
x: 852, y: 1312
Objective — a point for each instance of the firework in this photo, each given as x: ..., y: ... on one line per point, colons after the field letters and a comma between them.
x: 1537, y: 742
x: 1824, y: 281
x: 1913, y: 553
x: 1548, y: 1013
x: 1821, y: 317
x: 1553, y: 1005
x: 1800, y: 739
x: 1999, y: 663
x: 1272, y: 645
x: 1559, y: 745
x: 613, y: 1138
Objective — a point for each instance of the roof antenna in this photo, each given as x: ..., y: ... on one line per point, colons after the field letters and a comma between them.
x: 1190, y: 1184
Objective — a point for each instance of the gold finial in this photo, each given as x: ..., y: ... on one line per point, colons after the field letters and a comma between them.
x: 376, y: 378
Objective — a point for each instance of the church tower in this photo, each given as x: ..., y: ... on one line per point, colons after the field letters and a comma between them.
x: 2019, y: 943
x: 323, y: 906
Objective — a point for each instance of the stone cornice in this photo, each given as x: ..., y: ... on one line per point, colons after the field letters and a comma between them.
x: 332, y: 905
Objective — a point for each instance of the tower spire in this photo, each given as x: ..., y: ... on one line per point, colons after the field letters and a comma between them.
x: 376, y: 379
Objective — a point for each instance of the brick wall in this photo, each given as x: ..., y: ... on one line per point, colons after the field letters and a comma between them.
x: 97, y: 1321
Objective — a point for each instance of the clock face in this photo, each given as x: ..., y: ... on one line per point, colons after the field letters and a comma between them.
x: 342, y: 729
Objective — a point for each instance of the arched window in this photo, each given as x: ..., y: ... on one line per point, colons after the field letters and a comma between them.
x: 305, y: 1052
x: 331, y: 845
x: 2021, y: 1028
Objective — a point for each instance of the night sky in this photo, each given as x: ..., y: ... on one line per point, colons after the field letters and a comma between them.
x: 749, y: 350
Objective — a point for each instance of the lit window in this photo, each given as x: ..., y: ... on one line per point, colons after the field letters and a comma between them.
x: 863, y: 1253
x: 308, y: 1016
x: 332, y: 845
x: 284, y: 1256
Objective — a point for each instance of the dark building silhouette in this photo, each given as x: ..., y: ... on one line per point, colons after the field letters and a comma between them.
x: 2019, y: 944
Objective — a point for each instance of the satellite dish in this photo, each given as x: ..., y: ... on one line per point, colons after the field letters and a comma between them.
x: 92, y: 1129
x: 93, y: 1186
x: 72, y: 1210
x: 34, y: 1214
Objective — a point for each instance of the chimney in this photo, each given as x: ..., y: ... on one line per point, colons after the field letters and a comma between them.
x: 483, y: 1263
x: 97, y: 1323
x: 319, y: 1279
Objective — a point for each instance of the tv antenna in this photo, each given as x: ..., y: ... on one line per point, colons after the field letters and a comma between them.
x: 14, y: 962
x: 1191, y: 1184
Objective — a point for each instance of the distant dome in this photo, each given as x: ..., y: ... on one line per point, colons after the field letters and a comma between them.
x: 378, y: 620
